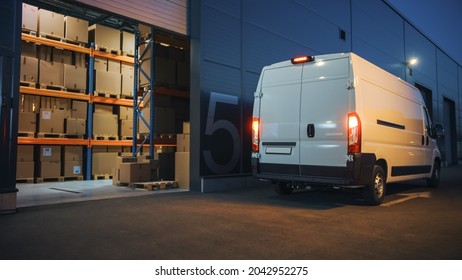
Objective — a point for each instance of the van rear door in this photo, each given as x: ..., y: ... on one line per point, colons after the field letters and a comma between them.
x: 279, y: 120
x: 325, y: 104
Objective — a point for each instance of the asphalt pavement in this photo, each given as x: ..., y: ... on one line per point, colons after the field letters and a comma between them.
x: 415, y: 222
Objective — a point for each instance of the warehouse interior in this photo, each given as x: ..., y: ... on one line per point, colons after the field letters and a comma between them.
x: 77, y: 97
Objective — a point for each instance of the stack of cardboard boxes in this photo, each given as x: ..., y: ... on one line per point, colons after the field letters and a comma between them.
x: 25, y: 163
x: 72, y: 161
x: 105, y: 123
x: 130, y: 170
x: 126, y: 122
x: 50, y: 162
x: 182, y: 156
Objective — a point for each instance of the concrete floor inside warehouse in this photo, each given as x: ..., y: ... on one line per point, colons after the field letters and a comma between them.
x: 74, y: 191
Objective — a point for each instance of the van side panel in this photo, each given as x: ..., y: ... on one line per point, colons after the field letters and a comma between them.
x: 392, y: 120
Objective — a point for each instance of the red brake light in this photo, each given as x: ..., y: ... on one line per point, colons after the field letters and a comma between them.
x: 302, y: 59
x: 354, y: 133
x: 255, y: 134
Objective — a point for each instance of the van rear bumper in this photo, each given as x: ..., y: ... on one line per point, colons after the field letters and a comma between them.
x: 355, y: 172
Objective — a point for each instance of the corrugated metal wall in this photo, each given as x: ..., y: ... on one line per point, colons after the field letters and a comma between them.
x: 167, y: 14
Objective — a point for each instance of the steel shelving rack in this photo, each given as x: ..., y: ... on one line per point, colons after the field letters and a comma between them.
x: 90, y: 98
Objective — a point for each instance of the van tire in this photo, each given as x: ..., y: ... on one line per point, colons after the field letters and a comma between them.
x: 283, y: 188
x: 434, y: 181
x: 374, y: 192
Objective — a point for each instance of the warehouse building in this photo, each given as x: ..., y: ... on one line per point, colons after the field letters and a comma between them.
x: 208, y: 57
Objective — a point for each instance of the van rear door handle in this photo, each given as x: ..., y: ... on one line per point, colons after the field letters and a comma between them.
x: 310, y: 130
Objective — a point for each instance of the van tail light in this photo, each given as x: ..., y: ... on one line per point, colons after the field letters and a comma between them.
x: 255, y: 134
x: 354, y: 133
x: 302, y: 59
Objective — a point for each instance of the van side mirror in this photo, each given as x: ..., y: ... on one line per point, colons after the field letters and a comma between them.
x: 438, y: 131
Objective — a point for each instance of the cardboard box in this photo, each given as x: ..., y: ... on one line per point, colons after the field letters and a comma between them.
x: 134, y: 172
x: 29, y: 103
x: 113, y: 66
x: 50, y: 153
x: 29, y: 17
x: 128, y: 43
x: 182, y: 169
x: 62, y: 56
x: 29, y: 49
x: 25, y: 153
x: 52, y: 120
x: 62, y: 103
x: 166, y: 166
x: 125, y: 113
x: 25, y: 169
x: 103, y: 109
x: 73, y: 153
x: 29, y: 69
x: 124, y: 159
x: 183, y: 142
x: 50, y: 23
x: 76, y: 29
x: 186, y: 127
x: 104, y: 37
x: 114, y: 149
x: 127, y: 80
x: 80, y: 59
x: 108, y: 82
x: 27, y: 122
x: 100, y: 64
x: 79, y: 109
x: 103, y: 163
x: 45, y: 53
x: 105, y: 124
x: 73, y: 168
x: 126, y: 128
x: 51, y: 73
x: 75, y: 126
x: 75, y: 77
x: 49, y: 169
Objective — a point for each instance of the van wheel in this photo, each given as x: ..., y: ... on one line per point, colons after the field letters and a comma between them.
x: 434, y: 181
x: 374, y: 192
x: 283, y: 188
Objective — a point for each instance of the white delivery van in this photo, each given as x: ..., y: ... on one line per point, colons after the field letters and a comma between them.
x: 338, y: 120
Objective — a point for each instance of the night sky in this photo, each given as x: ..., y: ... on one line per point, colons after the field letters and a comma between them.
x: 440, y: 20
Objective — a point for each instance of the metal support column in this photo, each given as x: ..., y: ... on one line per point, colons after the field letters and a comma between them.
x: 91, y: 79
x: 10, y: 51
x: 149, y: 44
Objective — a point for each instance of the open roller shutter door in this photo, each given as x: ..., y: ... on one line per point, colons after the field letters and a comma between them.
x: 170, y: 15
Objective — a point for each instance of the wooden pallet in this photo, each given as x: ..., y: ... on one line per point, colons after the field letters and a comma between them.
x: 106, y: 50
x: 127, y: 137
x: 30, y: 32
x: 27, y: 84
x: 106, y: 94
x: 24, y: 180
x: 39, y: 180
x: 73, y: 136
x: 53, y: 87
x: 73, y: 90
x: 102, y: 176
x: 73, y: 178
x: 50, y: 135
x: 123, y: 96
x: 26, y: 134
x: 150, y: 186
x: 106, y: 137
x: 128, y: 54
x: 51, y: 37
x: 73, y: 42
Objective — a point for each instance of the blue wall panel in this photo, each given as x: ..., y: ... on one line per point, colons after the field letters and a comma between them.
x: 419, y: 47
